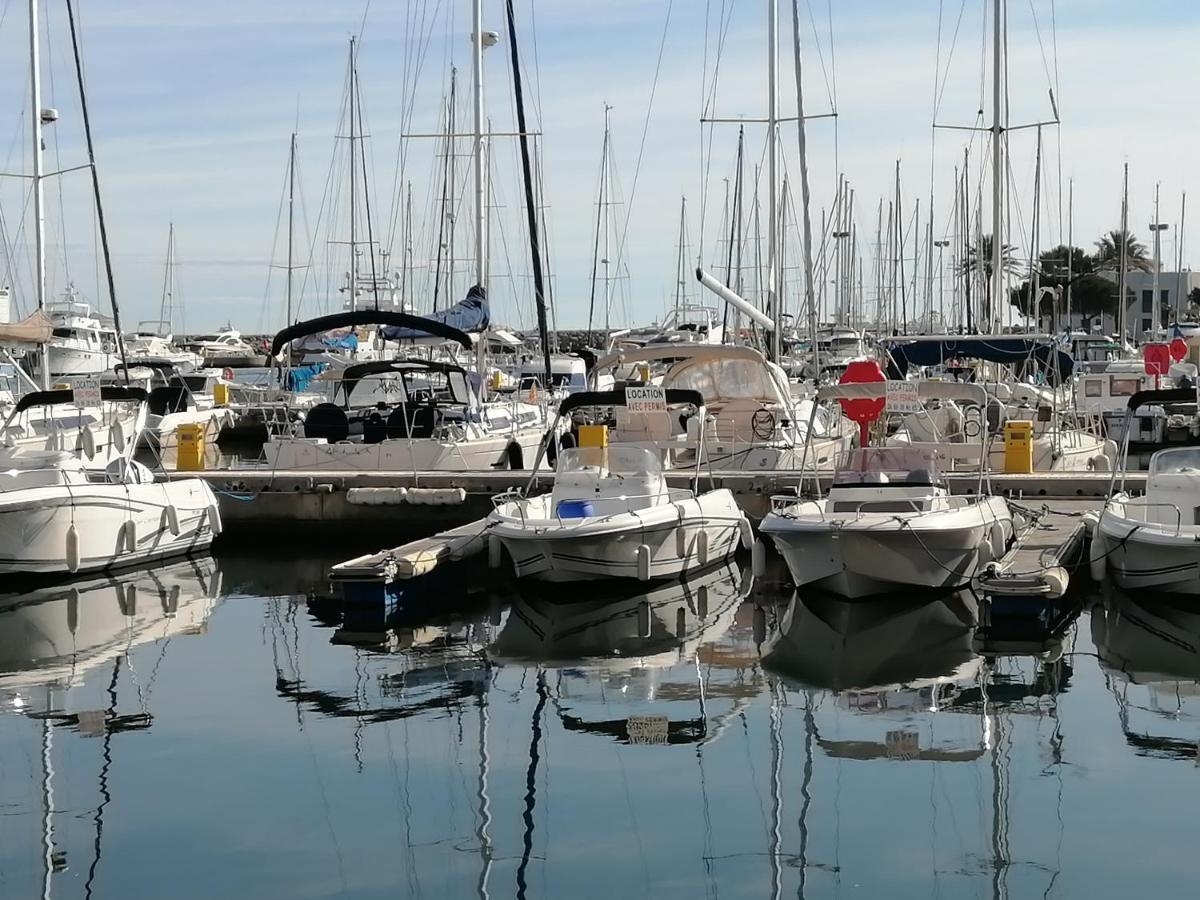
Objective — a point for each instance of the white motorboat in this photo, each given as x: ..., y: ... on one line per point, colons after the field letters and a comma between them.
x: 889, y: 523
x: 611, y: 514
x: 406, y: 415
x: 177, y: 398
x: 59, y: 515
x: 1152, y: 542
x: 153, y: 340
x: 225, y: 347
x: 82, y: 343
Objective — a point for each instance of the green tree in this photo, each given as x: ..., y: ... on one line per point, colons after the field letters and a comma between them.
x: 979, y: 260
x: 1091, y: 293
x: 1108, y: 251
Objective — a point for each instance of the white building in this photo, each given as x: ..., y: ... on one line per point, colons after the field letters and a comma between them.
x: 1139, y: 314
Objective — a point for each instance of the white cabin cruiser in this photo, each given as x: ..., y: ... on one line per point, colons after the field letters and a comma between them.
x: 611, y: 514
x: 1152, y: 542
x: 752, y: 421
x: 153, y: 340
x: 83, y: 343
x: 889, y: 523
x: 225, y: 347
x: 406, y: 414
x: 60, y: 516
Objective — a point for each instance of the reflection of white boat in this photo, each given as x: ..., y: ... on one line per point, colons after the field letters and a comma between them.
x: 53, y: 636
x: 830, y: 643
x: 612, y: 515
x: 649, y: 629
x: 1151, y: 648
x: 889, y: 523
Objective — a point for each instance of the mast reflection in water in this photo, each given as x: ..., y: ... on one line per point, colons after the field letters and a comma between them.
x: 230, y: 729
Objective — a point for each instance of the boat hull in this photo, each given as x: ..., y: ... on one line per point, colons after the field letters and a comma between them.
x: 1142, y: 556
x: 400, y: 454
x: 39, y: 525
x: 680, y: 537
x: 889, y: 554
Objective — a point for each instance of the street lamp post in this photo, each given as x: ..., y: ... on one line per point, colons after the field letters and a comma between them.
x: 840, y: 316
x: 941, y: 245
x: 1156, y: 305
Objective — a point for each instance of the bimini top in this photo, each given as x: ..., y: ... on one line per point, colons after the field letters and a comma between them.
x: 1175, y: 395
x: 470, y: 316
x: 926, y: 390
x: 51, y: 398
x: 617, y: 398
x: 904, y: 352
x: 653, y: 352
x: 368, y: 317
x: 352, y: 375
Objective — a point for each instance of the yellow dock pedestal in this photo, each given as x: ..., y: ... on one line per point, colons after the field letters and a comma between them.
x: 189, y: 453
x: 1018, y: 448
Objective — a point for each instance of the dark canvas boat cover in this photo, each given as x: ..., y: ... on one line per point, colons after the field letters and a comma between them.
x: 1046, y: 356
x: 470, y: 315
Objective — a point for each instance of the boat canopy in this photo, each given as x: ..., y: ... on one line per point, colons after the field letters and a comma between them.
x: 52, y: 398
x: 459, y: 379
x: 617, y: 398
x: 677, y: 352
x: 381, y: 317
x: 469, y: 316
x: 1174, y: 395
x: 1050, y: 358
x: 36, y: 328
x: 926, y: 390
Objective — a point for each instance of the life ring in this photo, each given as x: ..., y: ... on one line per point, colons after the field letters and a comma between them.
x: 762, y: 423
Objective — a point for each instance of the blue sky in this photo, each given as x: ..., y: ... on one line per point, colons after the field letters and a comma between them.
x: 193, y: 105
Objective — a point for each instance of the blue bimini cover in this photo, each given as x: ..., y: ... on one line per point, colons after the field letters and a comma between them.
x: 1043, y: 356
x: 470, y: 315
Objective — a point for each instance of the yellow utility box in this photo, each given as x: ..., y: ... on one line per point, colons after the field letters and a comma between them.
x: 1018, y: 448
x: 220, y: 394
x: 593, y: 435
x: 189, y: 450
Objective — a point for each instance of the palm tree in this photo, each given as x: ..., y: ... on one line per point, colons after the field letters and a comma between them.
x: 979, y: 260
x: 1108, y: 251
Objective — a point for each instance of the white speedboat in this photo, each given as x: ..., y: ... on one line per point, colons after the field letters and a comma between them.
x: 1152, y: 542
x: 225, y: 347
x: 60, y: 516
x: 405, y: 415
x: 611, y: 514
x: 889, y: 523
x: 153, y: 340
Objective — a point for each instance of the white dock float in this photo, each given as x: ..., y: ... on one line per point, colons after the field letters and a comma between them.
x: 419, y: 557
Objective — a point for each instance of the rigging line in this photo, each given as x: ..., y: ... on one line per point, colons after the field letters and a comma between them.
x: 724, y: 22
x: 637, y: 169
x: 949, y: 57
x: 1041, y: 46
x: 820, y: 54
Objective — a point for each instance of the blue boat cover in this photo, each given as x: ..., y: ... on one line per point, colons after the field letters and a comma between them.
x: 301, y: 377
x: 470, y: 315
x: 1054, y: 362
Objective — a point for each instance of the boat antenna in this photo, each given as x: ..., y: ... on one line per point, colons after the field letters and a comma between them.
x: 530, y: 207
x: 91, y: 151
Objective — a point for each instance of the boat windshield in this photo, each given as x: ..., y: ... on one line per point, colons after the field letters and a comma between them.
x: 1179, y: 460
x: 614, y: 459
x: 870, y: 466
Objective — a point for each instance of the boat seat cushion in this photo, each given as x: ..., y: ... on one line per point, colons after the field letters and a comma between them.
x: 328, y: 421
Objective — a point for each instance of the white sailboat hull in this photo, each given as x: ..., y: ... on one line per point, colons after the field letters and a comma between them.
x: 64, y: 529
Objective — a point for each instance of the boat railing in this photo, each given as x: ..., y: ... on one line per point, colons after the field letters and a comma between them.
x: 1135, y: 504
x: 785, y: 504
x: 521, y: 502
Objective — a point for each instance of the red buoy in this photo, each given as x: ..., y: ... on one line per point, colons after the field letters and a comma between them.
x: 862, y: 410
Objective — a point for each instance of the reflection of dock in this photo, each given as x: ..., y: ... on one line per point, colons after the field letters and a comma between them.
x: 1038, y: 566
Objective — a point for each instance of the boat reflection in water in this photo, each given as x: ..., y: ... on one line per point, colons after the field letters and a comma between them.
x: 51, y: 640
x: 1150, y: 648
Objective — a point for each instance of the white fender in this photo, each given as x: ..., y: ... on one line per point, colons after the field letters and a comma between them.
x: 701, y: 548
x: 128, y: 540
x: 117, y: 436
x: 214, y: 519
x: 1056, y: 579
x: 643, y: 562
x: 996, y: 539
x: 1098, y: 558
x: 747, y: 532
x: 758, y: 558
x: 173, y: 519
x: 87, y: 441
x: 72, y: 548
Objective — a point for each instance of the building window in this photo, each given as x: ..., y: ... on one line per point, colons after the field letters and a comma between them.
x: 1147, y: 323
x: 1147, y: 301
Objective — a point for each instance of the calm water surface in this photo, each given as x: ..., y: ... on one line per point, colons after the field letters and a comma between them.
x: 226, y: 729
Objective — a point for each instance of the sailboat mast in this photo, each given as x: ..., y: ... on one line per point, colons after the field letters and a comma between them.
x: 39, y: 200
x: 353, y: 168
x: 997, y: 170
x: 775, y: 308
x: 1122, y: 259
x: 681, y: 262
x: 291, y: 221
x: 478, y: 145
